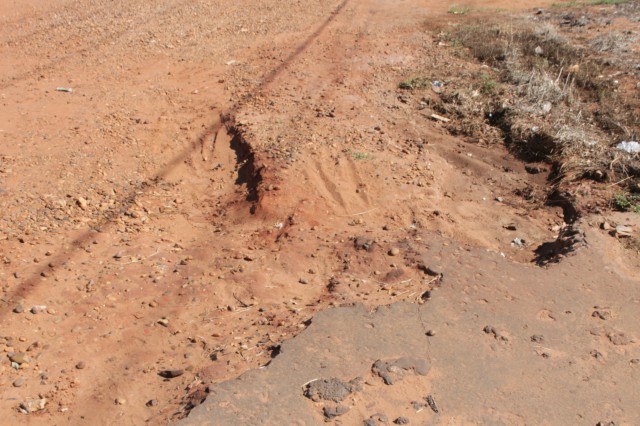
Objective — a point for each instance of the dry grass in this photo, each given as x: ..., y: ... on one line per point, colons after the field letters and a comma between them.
x: 612, y: 41
x: 552, y: 104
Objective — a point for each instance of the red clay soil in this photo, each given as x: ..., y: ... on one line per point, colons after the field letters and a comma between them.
x: 184, y: 184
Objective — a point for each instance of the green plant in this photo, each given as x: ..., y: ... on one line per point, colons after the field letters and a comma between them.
x: 626, y: 202
x: 489, y: 85
x: 356, y: 155
x: 598, y: 2
x: 459, y: 10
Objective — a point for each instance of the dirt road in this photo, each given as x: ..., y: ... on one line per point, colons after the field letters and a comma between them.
x: 185, y: 184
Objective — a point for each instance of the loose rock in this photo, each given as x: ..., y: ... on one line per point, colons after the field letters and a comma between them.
x: 170, y: 374
x: 33, y: 405
x: 331, y: 412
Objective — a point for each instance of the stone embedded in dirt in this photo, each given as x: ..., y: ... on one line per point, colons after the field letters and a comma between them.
x: 81, y: 365
x: 623, y: 231
x: 602, y: 314
x: 331, y: 412
x: 605, y: 226
x: 393, y: 275
x: 377, y: 419
x: 393, y: 370
x: 619, y: 338
x: 401, y: 421
x: 510, y: 227
x: 163, y: 322
x: 432, y: 403
x: 18, y: 382
x: 33, y: 405
x: 170, y: 374
x: 120, y: 401
x: 430, y: 333
x: 333, y: 284
x: 82, y: 203
x: 364, y: 243
x: 18, y: 357
x: 538, y: 338
x: 152, y: 403
x: 38, y: 308
x: 417, y: 405
x: 332, y: 389
x: 303, y: 281
x: 394, y: 251
x: 534, y: 170
x: 496, y: 334
x: 18, y: 309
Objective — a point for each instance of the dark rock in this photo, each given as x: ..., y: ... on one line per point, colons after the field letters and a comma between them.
x: 432, y: 403
x: 401, y: 421
x: 152, y: 403
x: 602, y: 314
x: 170, y: 374
x: 364, y: 243
x: 538, y: 338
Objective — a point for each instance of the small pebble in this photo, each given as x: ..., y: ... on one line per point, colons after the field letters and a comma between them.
x: 18, y: 309
x: 303, y: 281
x: 38, y: 309
x: 394, y: 251
x: 152, y: 403
x: 18, y: 382
x: 401, y: 421
x: 431, y: 333
x: 81, y: 365
x: 120, y: 401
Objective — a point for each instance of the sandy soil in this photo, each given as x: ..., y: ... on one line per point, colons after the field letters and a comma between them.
x: 222, y: 171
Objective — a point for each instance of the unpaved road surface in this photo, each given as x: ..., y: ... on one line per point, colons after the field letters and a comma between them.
x: 185, y: 184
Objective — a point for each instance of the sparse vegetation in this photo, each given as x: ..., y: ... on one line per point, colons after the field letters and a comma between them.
x: 489, y: 85
x: 414, y: 83
x: 588, y: 3
x: 547, y: 97
x: 459, y: 10
x: 626, y: 202
x: 356, y: 155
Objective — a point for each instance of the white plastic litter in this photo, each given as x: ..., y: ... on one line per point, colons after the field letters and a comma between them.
x: 631, y: 147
